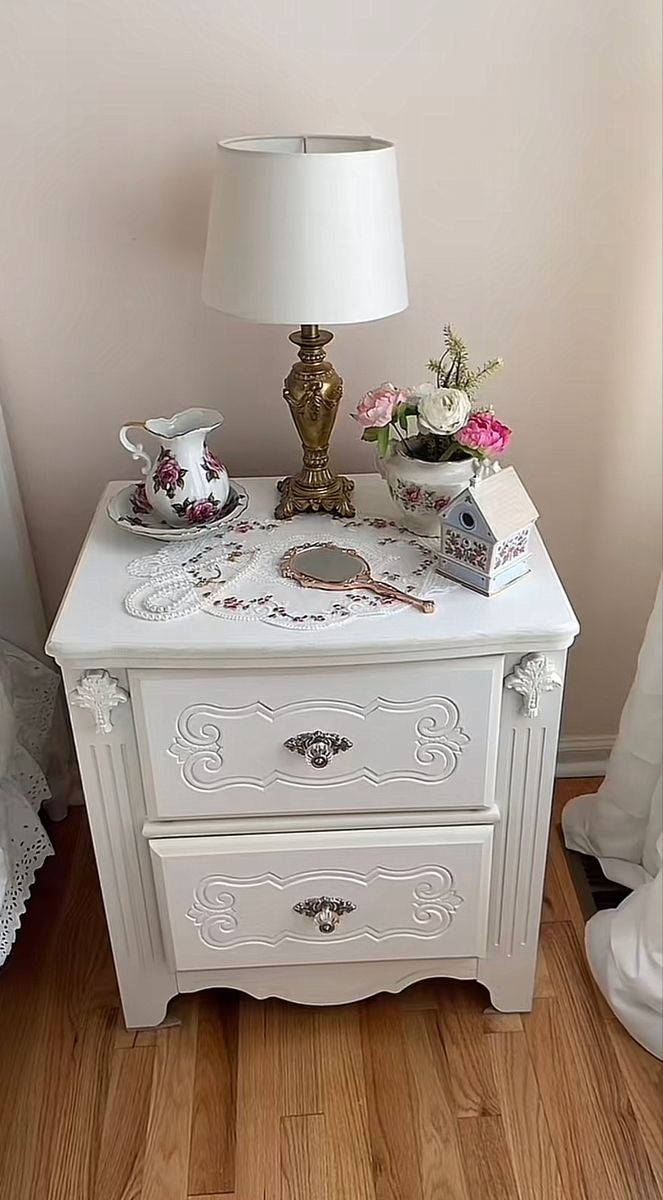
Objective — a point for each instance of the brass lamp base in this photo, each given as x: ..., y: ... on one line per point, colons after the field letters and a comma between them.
x: 313, y: 391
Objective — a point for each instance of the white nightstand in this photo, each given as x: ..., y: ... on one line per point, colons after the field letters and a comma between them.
x: 227, y: 859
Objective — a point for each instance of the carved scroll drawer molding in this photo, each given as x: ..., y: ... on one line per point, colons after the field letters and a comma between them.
x: 220, y: 743
x: 415, y: 893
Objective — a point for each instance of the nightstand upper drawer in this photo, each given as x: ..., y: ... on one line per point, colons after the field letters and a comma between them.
x: 347, y: 739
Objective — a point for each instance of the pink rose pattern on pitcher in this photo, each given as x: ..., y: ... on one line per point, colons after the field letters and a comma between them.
x: 211, y: 466
x: 168, y: 474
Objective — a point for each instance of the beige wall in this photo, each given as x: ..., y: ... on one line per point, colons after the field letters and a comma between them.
x: 528, y: 134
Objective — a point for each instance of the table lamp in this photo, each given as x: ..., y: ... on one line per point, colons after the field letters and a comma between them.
x: 307, y: 231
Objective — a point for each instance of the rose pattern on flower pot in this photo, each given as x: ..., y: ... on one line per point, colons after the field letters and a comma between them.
x: 411, y: 497
x: 197, y: 512
x: 168, y: 474
x: 423, y: 490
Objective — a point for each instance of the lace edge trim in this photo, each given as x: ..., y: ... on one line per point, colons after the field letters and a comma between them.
x: 14, y: 906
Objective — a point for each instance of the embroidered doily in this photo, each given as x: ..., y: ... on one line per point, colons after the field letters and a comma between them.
x: 237, y: 574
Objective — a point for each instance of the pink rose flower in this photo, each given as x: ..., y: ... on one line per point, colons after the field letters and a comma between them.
x: 139, y: 501
x: 211, y: 466
x: 485, y: 433
x: 199, y: 511
x: 168, y: 474
x: 412, y: 493
x: 376, y: 408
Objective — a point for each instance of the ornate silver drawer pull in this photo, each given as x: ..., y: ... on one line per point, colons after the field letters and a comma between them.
x: 318, y: 748
x: 324, y: 911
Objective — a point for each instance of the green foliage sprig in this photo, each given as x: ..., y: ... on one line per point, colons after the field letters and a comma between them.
x: 452, y: 369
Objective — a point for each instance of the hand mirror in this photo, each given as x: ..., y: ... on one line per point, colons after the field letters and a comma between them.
x: 336, y: 569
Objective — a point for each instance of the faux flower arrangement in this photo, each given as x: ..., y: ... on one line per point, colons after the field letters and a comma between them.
x: 450, y: 425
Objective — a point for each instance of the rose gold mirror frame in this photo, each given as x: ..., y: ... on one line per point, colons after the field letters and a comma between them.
x: 363, y: 580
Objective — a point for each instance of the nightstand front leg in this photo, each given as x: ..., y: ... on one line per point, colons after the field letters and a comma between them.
x: 112, y: 786
x: 524, y: 791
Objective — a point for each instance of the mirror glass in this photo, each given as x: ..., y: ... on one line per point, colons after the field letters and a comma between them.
x: 329, y: 564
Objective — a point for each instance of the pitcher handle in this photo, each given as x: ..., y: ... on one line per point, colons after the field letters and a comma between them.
x: 135, y: 449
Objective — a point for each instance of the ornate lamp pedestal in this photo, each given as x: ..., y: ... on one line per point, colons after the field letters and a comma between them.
x: 313, y: 390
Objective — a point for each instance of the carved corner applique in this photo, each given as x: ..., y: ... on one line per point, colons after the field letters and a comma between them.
x: 531, y: 677
x: 101, y: 693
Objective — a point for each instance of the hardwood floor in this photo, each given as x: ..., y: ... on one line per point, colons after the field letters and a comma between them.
x: 424, y: 1096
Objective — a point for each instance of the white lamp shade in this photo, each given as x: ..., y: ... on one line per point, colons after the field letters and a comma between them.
x: 306, y: 231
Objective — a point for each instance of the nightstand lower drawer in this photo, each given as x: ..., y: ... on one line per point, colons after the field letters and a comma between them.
x: 347, y: 896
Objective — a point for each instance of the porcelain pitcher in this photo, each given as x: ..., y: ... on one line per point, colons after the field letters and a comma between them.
x: 184, y: 481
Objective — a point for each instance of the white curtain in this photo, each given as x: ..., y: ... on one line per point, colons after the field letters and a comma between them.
x: 622, y: 826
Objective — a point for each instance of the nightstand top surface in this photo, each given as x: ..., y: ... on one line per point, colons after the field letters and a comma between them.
x: 93, y: 625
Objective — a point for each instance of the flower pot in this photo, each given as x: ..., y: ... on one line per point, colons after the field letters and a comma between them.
x: 422, y: 490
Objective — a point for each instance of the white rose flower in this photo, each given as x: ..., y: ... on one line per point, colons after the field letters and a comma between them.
x: 442, y: 410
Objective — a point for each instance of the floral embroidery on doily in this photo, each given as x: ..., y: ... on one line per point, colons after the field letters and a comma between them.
x: 237, y: 574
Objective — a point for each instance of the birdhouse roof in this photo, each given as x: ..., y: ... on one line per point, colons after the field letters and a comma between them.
x: 503, y: 503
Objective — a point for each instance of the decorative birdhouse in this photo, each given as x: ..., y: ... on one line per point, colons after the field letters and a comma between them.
x: 486, y: 532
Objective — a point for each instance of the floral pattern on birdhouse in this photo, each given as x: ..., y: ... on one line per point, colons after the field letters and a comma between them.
x: 466, y: 549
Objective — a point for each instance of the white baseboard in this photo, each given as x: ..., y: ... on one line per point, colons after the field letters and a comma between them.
x: 584, y: 756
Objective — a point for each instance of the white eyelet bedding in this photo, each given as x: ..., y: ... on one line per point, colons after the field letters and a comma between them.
x: 27, y: 698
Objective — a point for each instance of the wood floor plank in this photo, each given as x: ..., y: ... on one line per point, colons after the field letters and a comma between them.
x: 349, y: 1170
x: 76, y: 984
x: 123, y: 1038
x: 642, y: 1075
x: 79, y: 1120
x: 568, y: 1102
x: 486, y: 1159
x: 565, y: 790
x: 124, y: 1130
x: 391, y: 1116
x: 461, y: 1016
x: 499, y: 1022
x: 557, y: 855
x: 599, y: 1152
x: 555, y: 895
x: 543, y: 985
x: 166, y: 1166
x: 562, y: 883
x: 303, y: 1158
x: 441, y: 1165
x: 577, y: 991
x: 213, y: 1122
x: 528, y: 1137
x: 296, y: 1033
x: 257, y: 1151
